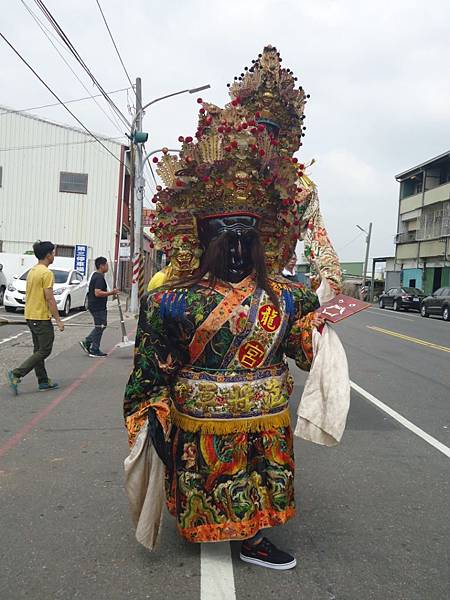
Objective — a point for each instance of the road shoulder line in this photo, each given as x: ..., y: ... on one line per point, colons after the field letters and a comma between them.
x: 409, y: 338
x: 402, y: 420
x: 387, y: 313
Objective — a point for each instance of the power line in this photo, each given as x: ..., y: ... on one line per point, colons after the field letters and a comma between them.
x: 114, y: 43
x: 153, y: 175
x: 39, y: 146
x: 350, y: 242
x: 47, y: 34
x: 150, y: 187
x: 53, y: 22
x: 130, y: 107
x: 148, y: 164
x: 59, y: 99
x: 22, y: 110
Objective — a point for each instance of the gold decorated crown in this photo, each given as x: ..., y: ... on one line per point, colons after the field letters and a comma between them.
x: 240, y: 160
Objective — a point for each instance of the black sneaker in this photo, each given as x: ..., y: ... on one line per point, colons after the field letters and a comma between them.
x: 265, y: 554
x: 97, y: 354
x: 85, y: 346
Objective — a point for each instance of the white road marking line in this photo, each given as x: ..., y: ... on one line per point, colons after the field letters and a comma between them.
x: 398, y: 417
x: 73, y: 316
x: 216, y: 572
x: 26, y: 332
x: 386, y: 312
x: 14, y: 337
x: 13, y: 317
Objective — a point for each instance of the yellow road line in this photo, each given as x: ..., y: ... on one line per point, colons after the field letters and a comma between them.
x: 408, y: 338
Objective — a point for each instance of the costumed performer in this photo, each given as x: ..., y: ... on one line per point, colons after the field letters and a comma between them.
x: 206, y: 406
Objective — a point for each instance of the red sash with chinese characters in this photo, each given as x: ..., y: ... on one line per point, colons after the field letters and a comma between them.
x: 220, y: 315
x: 265, y: 330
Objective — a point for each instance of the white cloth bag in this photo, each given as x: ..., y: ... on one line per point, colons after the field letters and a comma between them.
x: 323, y: 409
x: 144, y: 484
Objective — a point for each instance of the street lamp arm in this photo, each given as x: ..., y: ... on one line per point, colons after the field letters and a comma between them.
x: 187, y: 91
x: 147, y: 156
x: 163, y: 98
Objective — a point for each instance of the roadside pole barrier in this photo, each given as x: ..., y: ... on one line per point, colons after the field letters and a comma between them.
x: 125, y: 342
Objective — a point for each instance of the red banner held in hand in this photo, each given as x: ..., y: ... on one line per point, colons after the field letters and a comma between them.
x: 341, y: 307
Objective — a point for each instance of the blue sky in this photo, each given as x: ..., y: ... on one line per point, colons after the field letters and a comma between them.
x: 377, y: 74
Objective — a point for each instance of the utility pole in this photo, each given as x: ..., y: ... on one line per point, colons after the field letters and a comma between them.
x: 366, y: 260
x: 137, y: 139
x: 138, y: 196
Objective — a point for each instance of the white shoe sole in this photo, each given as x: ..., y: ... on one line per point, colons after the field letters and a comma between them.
x: 262, y: 563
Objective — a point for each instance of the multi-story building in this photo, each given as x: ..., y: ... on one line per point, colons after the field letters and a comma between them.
x: 58, y: 183
x: 423, y: 230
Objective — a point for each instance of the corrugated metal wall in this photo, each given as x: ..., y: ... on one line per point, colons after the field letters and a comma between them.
x: 33, y: 153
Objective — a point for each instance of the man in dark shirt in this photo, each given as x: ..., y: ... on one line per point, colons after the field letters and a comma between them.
x: 97, y: 299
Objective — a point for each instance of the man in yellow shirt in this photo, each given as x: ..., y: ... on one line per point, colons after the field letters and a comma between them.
x: 158, y: 279
x: 40, y: 306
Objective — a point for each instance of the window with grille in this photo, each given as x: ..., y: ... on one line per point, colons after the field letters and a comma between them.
x: 411, y: 186
x: 444, y: 173
x: 67, y: 251
x: 73, y: 182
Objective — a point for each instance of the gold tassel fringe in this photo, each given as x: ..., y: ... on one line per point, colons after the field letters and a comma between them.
x: 227, y: 426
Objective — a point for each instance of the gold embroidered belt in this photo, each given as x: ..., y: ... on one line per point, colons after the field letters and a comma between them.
x: 226, y: 401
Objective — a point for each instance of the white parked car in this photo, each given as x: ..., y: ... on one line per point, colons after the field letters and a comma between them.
x: 70, y: 290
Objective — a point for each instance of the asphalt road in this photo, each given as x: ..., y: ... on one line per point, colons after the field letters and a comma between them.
x: 373, y: 519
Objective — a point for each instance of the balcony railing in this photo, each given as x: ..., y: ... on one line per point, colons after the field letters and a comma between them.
x: 435, y: 224
x: 405, y: 238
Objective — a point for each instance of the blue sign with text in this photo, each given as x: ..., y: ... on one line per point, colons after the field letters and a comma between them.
x: 81, y: 259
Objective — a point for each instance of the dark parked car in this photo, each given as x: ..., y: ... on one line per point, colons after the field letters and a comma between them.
x: 437, y: 304
x: 406, y: 298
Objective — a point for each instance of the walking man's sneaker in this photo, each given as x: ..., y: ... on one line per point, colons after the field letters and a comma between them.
x: 85, y: 346
x: 13, y: 383
x: 48, y: 385
x: 265, y: 554
x: 97, y: 353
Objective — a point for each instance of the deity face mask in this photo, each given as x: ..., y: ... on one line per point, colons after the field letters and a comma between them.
x: 241, y: 232
x: 184, y: 259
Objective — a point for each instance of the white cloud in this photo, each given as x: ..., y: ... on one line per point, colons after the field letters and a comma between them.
x: 376, y: 73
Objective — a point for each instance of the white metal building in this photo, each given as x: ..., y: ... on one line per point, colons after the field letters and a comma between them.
x: 58, y: 183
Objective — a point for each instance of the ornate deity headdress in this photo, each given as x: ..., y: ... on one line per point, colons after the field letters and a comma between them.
x: 241, y: 162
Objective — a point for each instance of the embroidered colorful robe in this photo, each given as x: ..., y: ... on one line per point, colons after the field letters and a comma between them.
x: 211, y: 379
